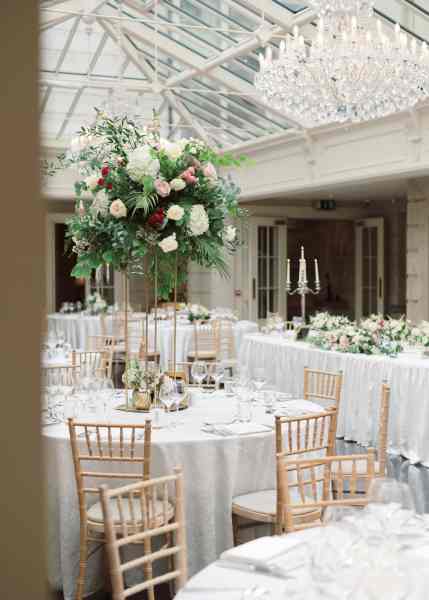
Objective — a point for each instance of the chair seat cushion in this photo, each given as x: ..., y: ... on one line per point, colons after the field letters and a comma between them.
x: 265, y: 503
x: 157, y: 517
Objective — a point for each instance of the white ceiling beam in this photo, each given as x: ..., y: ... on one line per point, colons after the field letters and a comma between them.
x: 45, y: 99
x: 183, y: 112
x: 199, y: 66
x: 67, y: 45
x: 70, y: 112
x: 74, y: 82
x: 97, y: 53
x: 128, y: 49
x: 52, y: 18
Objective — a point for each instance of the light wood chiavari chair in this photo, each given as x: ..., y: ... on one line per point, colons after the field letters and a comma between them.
x: 223, y: 331
x: 203, y: 343
x: 312, y: 484
x: 323, y: 386
x: 144, y: 526
x: 98, y: 363
x: 295, y: 436
x: 380, y: 463
x: 98, y: 343
x: 96, y: 447
x: 53, y: 374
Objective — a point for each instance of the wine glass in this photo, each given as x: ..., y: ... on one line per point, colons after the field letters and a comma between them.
x: 217, y: 372
x: 166, y: 397
x: 178, y: 395
x: 259, y: 379
x: 386, y: 490
x: 107, y: 395
x: 199, y: 371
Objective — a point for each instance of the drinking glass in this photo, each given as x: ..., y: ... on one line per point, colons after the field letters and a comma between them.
x: 269, y: 398
x: 199, y: 371
x: 386, y: 490
x: 178, y: 395
x: 107, y: 395
x: 259, y: 379
x: 166, y: 397
x: 217, y: 372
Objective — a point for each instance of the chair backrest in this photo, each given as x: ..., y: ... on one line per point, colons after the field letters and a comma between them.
x: 59, y: 375
x: 309, y: 433
x: 223, y: 332
x: 96, y: 362
x: 323, y: 386
x: 96, y: 444
x: 203, y: 339
x: 383, y: 426
x: 98, y: 343
x: 142, y: 528
x: 312, y: 482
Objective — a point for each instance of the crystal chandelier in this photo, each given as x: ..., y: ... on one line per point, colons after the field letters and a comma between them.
x: 354, y: 70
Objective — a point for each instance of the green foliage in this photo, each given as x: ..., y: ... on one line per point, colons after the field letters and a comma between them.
x: 124, y: 240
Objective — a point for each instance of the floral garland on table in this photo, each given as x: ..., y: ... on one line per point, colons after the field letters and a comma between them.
x: 371, y: 336
x: 140, y: 196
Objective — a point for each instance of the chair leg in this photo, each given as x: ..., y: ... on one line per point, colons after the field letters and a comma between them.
x: 235, y: 529
x: 82, y: 563
x: 171, y: 563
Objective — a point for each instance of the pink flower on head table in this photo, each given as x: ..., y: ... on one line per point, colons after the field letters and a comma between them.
x: 162, y: 188
x: 189, y: 175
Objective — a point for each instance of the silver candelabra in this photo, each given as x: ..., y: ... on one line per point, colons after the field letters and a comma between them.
x: 302, y: 288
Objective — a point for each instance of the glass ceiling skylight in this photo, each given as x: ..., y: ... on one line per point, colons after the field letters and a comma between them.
x: 193, y: 60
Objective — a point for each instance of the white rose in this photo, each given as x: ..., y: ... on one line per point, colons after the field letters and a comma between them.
x: 172, y: 149
x: 199, y: 221
x: 118, y: 209
x: 92, y: 182
x: 230, y: 233
x: 175, y: 212
x: 142, y: 164
x: 177, y: 184
x: 209, y: 171
x: 169, y: 243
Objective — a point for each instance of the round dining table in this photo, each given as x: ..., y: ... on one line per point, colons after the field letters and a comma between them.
x: 218, y: 464
x: 378, y: 553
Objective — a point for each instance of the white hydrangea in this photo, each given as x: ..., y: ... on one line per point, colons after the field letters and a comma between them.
x: 230, y: 233
x: 198, y: 221
x: 100, y: 204
x: 92, y: 181
x: 142, y: 164
x: 173, y: 150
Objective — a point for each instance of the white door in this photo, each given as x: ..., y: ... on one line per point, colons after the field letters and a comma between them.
x: 267, y: 271
x: 369, y: 267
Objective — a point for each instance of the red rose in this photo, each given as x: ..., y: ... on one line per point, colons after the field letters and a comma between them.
x: 100, y: 181
x: 109, y: 186
x: 156, y: 218
x: 105, y: 171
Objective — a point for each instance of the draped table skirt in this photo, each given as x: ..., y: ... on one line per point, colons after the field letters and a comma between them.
x: 408, y: 376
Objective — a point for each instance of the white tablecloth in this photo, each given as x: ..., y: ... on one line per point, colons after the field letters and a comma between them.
x: 284, y: 362
x: 309, y: 570
x: 215, y: 470
x: 78, y: 327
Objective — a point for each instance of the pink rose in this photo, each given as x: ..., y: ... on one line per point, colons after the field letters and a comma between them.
x: 209, y: 171
x: 189, y: 175
x: 344, y: 342
x: 162, y: 188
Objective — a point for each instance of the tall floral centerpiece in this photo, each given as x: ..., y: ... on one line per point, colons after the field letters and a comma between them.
x: 140, y: 196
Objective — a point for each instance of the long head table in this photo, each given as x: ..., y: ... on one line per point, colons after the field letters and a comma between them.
x: 408, y: 376
x: 215, y: 468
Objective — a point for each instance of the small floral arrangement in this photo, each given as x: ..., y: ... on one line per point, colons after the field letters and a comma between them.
x: 197, y: 312
x: 395, y: 330
x: 274, y: 324
x: 137, y: 376
x: 324, y: 321
x: 420, y: 335
x: 140, y: 196
x: 95, y: 304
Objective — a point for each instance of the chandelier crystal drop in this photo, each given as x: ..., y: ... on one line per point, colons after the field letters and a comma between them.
x: 354, y: 70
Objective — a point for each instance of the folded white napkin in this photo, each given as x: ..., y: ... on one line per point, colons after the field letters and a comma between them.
x: 265, y: 551
x: 243, y: 428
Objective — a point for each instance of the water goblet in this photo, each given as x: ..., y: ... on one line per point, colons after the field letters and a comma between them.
x: 259, y: 379
x: 217, y: 372
x: 107, y: 395
x: 386, y: 490
x: 199, y: 371
x: 178, y: 394
x: 166, y: 397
